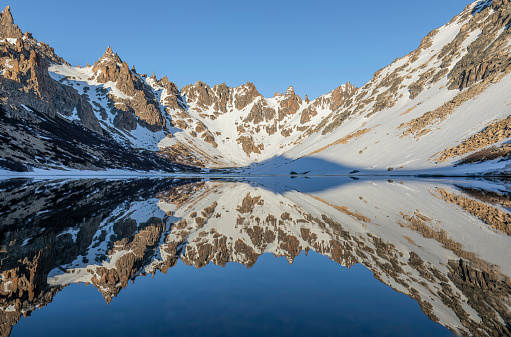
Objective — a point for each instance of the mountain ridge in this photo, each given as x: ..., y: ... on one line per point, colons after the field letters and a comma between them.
x: 421, y: 94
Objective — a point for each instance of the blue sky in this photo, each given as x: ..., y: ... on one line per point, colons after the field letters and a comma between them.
x: 313, y: 45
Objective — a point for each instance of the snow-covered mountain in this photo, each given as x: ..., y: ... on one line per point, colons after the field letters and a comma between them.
x: 442, y: 105
x: 442, y: 243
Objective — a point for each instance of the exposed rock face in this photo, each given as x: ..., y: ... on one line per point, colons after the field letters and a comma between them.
x: 260, y: 112
x: 246, y: 95
x: 26, y: 81
x: 178, y: 153
x: 249, y: 146
x: 423, y: 125
x: 488, y: 55
x: 173, y: 99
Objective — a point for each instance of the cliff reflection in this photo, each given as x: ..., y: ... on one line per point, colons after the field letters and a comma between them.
x: 446, y: 245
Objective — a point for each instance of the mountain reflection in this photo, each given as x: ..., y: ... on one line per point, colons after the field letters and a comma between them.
x: 444, y: 244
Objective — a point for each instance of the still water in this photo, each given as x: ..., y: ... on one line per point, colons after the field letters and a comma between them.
x: 249, y: 257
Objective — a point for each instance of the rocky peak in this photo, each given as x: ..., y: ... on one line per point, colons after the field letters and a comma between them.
x: 245, y: 95
x: 8, y: 29
x: 199, y: 92
x: 141, y: 106
x: 290, y: 103
x: 108, y: 57
x: 290, y: 91
x: 170, y: 86
x: 173, y: 99
x: 341, y: 94
x: 332, y: 101
x: 109, y: 66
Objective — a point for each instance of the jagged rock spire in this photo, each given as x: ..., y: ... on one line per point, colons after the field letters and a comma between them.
x: 109, y: 57
x: 6, y: 18
x: 8, y: 29
x: 290, y: 91
x: 109, y: 53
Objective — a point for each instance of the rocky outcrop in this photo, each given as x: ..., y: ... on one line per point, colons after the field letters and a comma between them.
x: 56, y: 143
x: 490, y: 135
x: 260, y: 113
x: 290, y: 103
x: 249, y: 146
x: 179, y: 153
x: 172, y: 96
x: 220, y: 98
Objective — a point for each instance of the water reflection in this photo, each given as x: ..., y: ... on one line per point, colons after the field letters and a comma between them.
x: 445, y: 244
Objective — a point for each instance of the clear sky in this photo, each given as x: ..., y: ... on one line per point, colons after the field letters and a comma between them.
x: 313, y: 45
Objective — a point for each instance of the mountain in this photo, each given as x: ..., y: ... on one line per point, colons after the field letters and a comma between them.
x: 439, y: 243
x: 47, y: 124
x: 443, y: 108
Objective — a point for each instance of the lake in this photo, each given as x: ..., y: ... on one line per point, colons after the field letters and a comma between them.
x: 252, y: 256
